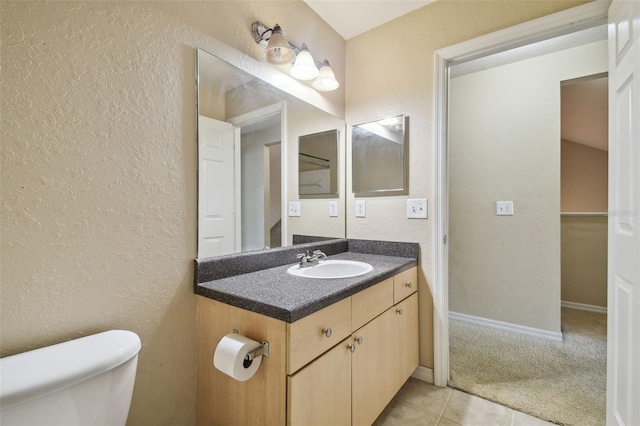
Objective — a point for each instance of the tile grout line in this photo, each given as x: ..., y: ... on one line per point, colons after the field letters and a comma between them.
x: 417, y: 407
x: 424, y: 410
x: 444, y: 408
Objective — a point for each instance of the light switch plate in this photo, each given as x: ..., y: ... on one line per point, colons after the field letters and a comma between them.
x: 294, y: 208
x: 333, y: 208
x: 361, y: 208
x: 417, y: 208
x: 504, y: 208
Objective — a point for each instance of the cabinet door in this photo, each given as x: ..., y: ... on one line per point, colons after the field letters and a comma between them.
x: 407, y: 350
x: 373, y: 368
x: 320, y: 393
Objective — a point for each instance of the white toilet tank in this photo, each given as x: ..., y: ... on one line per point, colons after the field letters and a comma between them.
x: 87, y: 381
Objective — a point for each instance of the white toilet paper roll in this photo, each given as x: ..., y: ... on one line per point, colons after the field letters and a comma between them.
x: 230, y: 353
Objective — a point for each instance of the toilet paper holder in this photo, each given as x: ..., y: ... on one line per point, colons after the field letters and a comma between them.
x: 263, y: 350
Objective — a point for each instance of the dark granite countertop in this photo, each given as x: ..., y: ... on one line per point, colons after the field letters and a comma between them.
x: 275, y: 293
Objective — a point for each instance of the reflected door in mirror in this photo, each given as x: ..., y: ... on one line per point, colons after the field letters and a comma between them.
x: 217, y: 227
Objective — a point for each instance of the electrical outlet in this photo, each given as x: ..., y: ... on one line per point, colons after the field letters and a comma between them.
x: 361, y: 208
x: 294, y: 208
x: 333, y: 208
x: 504, y: 208
x: 417, y: 208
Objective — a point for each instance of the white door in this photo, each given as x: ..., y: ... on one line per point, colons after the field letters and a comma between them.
x: 623, y: 334
x: 216, y: 188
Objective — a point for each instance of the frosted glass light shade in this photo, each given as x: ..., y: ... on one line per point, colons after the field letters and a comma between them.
x: 304, y: 68
x: 278, y: 50
x: 326, y: 80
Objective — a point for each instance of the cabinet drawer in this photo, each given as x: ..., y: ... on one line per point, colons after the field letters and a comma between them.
x: 308, y: 338
x: 405, y: 284
x: 369, y: 303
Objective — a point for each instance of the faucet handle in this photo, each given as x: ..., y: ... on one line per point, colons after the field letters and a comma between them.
x: 319, y: 254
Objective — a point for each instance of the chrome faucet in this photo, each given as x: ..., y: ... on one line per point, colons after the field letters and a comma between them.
x: 309, y: 260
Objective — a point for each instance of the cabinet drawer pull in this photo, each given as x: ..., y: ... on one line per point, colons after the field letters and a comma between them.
x: 326, y: 332
x: 352, y: 348
x: 399, y: 311
x: 358, y: 340
x: 409, y: 285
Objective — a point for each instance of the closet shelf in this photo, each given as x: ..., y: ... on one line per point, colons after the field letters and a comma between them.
x: 583, y: 214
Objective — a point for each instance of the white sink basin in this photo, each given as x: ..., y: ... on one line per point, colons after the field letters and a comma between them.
x: 331, y: 269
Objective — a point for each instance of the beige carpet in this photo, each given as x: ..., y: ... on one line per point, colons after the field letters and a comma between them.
x: 562, y: 382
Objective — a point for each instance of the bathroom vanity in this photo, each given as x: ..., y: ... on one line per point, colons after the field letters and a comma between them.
x: 339, y: 349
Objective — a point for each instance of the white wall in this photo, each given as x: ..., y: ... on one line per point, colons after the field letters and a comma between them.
x: 505, y: 145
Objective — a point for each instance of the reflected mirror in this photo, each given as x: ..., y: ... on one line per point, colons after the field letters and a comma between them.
x: 318, y: 165
x: 248, y: 132
x: 380, y: 157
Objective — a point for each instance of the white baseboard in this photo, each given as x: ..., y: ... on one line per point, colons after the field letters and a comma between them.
x: 423, y: 373
x: 584, y: 307
x: 514, y: 328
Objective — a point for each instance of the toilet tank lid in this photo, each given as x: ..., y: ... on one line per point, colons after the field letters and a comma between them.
x: 32, y: 374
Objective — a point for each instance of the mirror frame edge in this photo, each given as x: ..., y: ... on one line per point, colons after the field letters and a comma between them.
x: 405, y: 166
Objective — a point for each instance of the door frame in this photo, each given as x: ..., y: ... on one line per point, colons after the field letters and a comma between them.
x: 571, y: 20
x: 252, y: 117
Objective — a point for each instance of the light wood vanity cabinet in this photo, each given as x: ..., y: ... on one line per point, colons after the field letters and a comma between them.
x: 345, y: 376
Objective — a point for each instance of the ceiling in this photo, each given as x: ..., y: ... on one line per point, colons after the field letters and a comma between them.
x: 352, y: 17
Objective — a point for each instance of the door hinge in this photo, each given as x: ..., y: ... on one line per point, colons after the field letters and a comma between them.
x: 445, y: 238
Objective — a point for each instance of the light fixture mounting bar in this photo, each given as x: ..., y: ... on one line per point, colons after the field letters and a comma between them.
x: 261, y: 34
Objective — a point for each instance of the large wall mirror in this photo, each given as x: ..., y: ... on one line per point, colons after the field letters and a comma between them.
x: 380, y: 157
x: 248, y: 132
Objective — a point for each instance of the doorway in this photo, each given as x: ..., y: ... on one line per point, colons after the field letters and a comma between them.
x: 584, y: 193
x: 575, y: 19
x: 259, y: 183
x: 504, y: 263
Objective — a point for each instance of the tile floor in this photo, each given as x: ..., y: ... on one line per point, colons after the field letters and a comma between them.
x: 421, y: 403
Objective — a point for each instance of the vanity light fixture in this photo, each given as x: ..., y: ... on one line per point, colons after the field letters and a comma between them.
x: 280, y: 52
x: 278, y: 49
x: 304, y: 68
x: 326, y: 80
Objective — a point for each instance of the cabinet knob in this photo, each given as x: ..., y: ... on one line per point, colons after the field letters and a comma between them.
x: 409, y: 285
x: 352, y: 348
x: 326, y: 332
x: 399, y: 311
x: 358, y: 340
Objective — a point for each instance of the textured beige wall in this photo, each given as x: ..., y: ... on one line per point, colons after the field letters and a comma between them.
x: 390, y: 72
x: 98, y: 174
x: 584, y: 259
x: 505, y: 145
x: 583, y: 178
